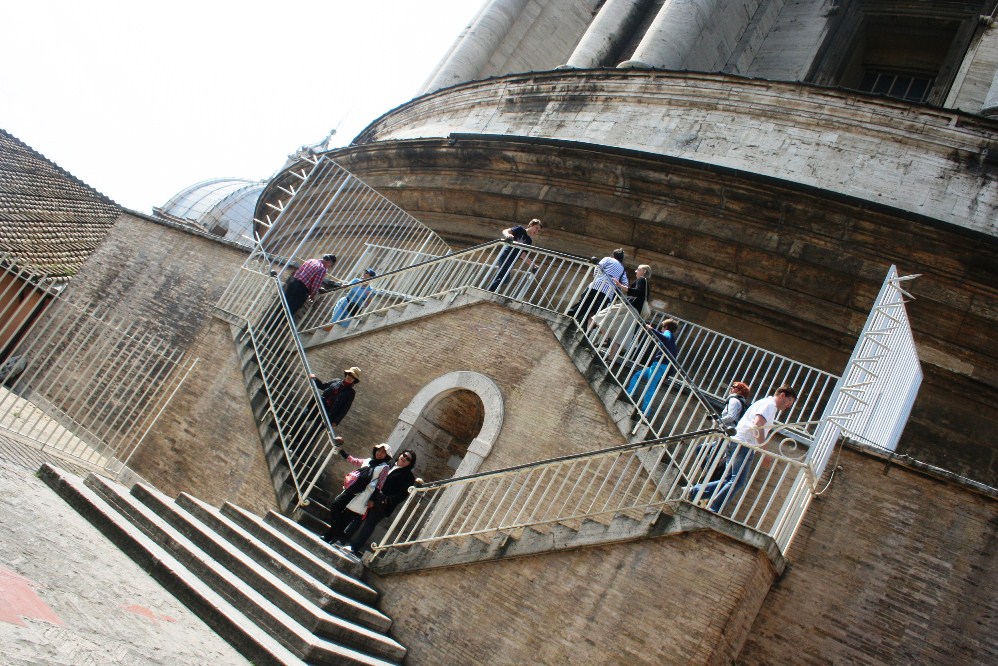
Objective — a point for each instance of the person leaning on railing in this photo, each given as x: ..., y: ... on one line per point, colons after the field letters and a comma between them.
x: 355, y: 299
x: 610, y: 274
x: 613, y: 318
x: 392, y: 490
x: 305, y: 284
x: 751, y: 433
x: 504, y: 263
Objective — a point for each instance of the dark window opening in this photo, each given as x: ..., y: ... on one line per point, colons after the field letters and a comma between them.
x: 897, y: 49
x: 909, y: 87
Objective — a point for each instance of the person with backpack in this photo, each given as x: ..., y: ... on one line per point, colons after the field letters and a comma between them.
x: 751, y: 433
x: 358, y: 486
x: 736, y: 405
x: 733, y: 410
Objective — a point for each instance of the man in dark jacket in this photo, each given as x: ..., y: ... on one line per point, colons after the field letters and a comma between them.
x: 392, y: 490
x: 337, y: 395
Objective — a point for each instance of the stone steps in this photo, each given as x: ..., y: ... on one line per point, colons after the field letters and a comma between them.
x: 536, y: 540
x: 277, y: 594
x: 390, y: 316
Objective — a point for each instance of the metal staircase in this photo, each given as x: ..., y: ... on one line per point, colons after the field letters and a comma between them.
x: 622, y: 493
x: 417, y: 275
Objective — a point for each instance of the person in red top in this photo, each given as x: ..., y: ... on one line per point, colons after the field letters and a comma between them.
x: 307, y: 281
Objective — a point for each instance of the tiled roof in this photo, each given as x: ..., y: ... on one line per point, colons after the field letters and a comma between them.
x: 50, y: 221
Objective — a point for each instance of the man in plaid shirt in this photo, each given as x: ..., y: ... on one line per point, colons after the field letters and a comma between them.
x: 306, y: 281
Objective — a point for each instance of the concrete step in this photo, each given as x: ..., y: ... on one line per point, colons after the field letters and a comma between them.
x: 274, y: 605
x: 332, y: 556
x: 534, y: 540
x: 257, y: 628
x: 306, y: 556
x: 228, y: 544
x: 292, y: 563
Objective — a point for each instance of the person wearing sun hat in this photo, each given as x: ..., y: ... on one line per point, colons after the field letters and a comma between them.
x: 338, y: 394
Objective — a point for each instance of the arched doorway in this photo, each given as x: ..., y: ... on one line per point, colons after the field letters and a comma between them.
x: 451, y: 423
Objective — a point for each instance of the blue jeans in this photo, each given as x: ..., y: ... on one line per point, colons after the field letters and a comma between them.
x: 653, y: 374
x: 736, y: 473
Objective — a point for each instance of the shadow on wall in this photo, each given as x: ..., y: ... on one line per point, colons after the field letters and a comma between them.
x: 452, y: 424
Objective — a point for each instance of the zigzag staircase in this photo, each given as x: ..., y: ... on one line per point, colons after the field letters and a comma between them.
x: 667, y: 473
x: 435, y: 286
x: 578, y: 347
x: 568, y: 335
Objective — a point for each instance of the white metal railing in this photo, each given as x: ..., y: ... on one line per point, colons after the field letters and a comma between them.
x: 670, y: 405
x: 86, y: 386
x: 669, y: 401
x: 556, y: 285
x: 630, y: 480
x: 714, y: 360
x: 293, y: 400
x: 332, y: 211
x: 873, y: 399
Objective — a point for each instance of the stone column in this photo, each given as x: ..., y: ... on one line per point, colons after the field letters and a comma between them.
x: 476, y: 46
x: 611, y: 28
x: 990, y: 108
x: 673, y: 34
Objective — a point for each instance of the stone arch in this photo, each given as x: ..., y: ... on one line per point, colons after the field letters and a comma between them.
x: 448, y: 387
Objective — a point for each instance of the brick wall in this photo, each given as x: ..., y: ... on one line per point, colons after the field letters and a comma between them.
x: 888, y: 568
x: 688, y: 599
x: 206, y: 442
x: 549, y: 409
x: 673, y: 600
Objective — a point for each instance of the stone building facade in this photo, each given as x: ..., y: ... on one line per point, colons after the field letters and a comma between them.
x: 760, y: 155
x: 770, y: 208
x: 892, y: 563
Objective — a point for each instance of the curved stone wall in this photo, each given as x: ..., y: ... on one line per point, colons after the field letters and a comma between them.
x: 935, y: 162
x: 787, y: 267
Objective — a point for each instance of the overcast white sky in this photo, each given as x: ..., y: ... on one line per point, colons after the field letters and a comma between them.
x: 141, y: 98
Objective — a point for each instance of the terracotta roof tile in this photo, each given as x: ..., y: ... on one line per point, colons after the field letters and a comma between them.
x: 50, y: 221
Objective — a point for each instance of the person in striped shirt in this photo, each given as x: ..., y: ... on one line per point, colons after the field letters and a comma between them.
x: 610, y: 274
x: 307, y: 281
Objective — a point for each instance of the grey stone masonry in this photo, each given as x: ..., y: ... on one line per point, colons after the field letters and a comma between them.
x: 71, y: 597
x: 474, y: 48
x: 266, y: 602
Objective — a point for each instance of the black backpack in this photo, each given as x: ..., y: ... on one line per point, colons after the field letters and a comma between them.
x: 730, y: 420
